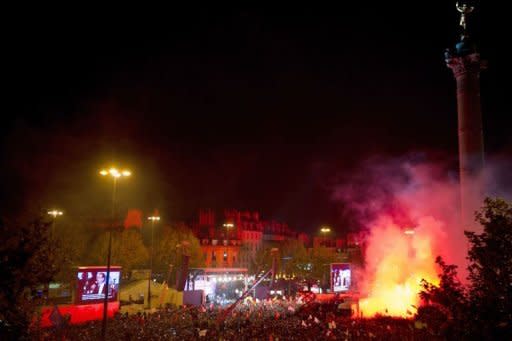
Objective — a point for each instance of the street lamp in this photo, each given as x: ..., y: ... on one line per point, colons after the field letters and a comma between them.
x: 115, y: 174
x: 228, y: 226
x: 152, y: 219
x: 325, y: 229
x: 410, y: 232
x: 54, y: 213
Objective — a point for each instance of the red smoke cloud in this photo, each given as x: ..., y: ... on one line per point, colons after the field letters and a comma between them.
x: 387, y: 198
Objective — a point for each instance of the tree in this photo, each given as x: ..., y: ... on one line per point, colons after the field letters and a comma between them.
x: 483, y: 309
x: 128, y: 250
x: 165, y: 252
x: 447, y: 303
x: 320, y: 261
x: 72, y: 239
x: 294, y: 258
x: 27, y: 260
x: 262, y: 262
x: 490, y: 269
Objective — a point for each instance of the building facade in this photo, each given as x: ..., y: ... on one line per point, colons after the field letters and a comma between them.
x: 235, y: 238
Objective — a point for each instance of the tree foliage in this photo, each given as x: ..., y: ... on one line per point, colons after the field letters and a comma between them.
x: 320, y: 260
x: 72, y: 239
x: 490, y: 269
x: 127, y: 250
x: 262, y: 261
x: 483, y: 309
x: 294, y: 258
x: 446, y: 309
x: 166, y: 243
x: 28, y: 261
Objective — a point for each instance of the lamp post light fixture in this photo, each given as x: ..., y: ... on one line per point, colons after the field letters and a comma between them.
x: 152, y: 219
x: 409, y: 231
x: 55, y: 213
x: 325, y: 229
x: 115, y: 174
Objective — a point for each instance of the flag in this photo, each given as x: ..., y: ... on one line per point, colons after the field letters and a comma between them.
x: 56, y: 317
x: 133, y: 219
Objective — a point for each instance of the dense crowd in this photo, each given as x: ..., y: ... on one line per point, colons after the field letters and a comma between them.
x: 265, y: 320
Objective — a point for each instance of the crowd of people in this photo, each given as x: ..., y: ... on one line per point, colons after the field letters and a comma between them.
x: 272, y: 319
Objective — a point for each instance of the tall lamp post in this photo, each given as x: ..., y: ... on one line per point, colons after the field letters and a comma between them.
x: 115, y: 174
x: 324, y: 232
x: 54, y: 213
x: 410, y: 232
x: 152, y: 219
x: 228, y: 226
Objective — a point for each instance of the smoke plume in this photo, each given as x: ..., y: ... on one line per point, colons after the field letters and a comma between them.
x: 411, y: 212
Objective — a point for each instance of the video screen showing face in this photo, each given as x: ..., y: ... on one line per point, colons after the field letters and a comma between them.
x: 92, y: 285
x: 340, y: 277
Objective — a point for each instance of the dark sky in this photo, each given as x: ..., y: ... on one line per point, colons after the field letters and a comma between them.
x: 231, y: 107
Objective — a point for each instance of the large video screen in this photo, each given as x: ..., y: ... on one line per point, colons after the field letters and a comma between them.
x: 340, y: 277
x: 92, y: 284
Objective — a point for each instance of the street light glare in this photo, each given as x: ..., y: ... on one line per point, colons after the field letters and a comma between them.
x: 153, y: 218
x: 55, y: 213
x: 325, y: 229
x: 114, y: 172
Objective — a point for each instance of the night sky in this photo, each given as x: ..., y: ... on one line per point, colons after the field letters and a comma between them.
x: 248, y: 108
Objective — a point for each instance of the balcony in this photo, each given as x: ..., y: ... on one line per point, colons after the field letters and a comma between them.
x: 223, y: 242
